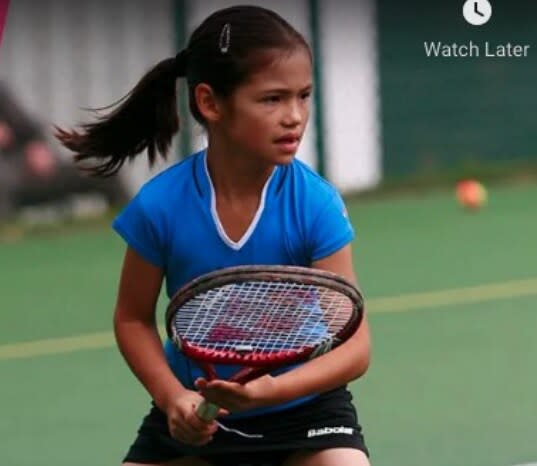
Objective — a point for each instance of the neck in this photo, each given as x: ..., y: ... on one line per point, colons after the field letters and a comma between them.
x: 236, y: 176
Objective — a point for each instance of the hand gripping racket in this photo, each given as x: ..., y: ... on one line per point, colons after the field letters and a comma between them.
x: 261, y: 318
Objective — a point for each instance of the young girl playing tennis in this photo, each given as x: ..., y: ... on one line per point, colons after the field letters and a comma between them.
x: 243, y: 200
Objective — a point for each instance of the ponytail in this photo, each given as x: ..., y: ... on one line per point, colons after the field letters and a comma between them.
x: 146, y: 118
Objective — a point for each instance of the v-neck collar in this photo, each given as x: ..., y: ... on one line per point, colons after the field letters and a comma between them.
x: 235, y: 245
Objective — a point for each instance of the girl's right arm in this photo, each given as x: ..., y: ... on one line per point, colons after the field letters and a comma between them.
x: 136, y: 330
x: 139, y: 342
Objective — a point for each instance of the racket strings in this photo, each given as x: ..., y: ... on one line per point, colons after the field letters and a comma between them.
x: 263, y: 317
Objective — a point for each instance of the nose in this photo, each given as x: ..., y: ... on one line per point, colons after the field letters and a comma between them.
x: 294, y: 114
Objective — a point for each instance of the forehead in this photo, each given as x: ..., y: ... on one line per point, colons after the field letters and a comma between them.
x: 289, y: 70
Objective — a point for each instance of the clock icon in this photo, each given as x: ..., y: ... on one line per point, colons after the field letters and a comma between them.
x: 477, y: 12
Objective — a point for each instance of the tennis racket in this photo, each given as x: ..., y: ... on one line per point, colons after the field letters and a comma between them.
x: 261, y: 318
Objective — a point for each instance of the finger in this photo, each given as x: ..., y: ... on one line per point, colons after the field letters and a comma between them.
x: 204, y: 441
x: 201, y: 425
x: 224, y: 396
x: 216, y: 398
x: 204, y: 384
x: 186, y: 434
x: 223, y: 385
x: 181, y: 433
x: 191, y: 425
x: 199, y: 438
x: 190, y: 439
x: 200, y: 383
x: 219, y: 393
x: 221, y: 398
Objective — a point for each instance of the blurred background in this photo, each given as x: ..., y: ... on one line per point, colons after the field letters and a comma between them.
x: 450, y: 271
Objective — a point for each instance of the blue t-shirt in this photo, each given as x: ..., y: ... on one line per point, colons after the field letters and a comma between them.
x: 173, y: 224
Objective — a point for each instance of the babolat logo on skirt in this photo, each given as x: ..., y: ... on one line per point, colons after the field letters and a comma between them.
x: 330, y: 431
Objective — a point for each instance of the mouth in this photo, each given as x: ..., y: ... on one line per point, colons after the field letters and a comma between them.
x: 288, y: 144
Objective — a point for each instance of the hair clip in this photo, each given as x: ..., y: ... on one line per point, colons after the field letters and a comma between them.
x: 225, y: 38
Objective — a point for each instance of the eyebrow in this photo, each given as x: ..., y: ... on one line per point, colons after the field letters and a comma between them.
x: 285, y: 90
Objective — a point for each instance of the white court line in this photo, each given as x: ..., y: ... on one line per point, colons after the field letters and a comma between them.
x: 468, y: 295
x: 402, y: 303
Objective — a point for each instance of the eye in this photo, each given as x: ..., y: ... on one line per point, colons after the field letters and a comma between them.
x: 271, y: 99
x: 305, y: 95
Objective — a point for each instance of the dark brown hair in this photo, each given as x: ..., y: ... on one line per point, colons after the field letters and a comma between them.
x: 222, y: 52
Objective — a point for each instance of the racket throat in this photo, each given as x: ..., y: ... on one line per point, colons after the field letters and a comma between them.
x: 209, y: 370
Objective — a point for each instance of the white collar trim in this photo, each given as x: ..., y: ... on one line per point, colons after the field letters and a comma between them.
x: 236, y: 245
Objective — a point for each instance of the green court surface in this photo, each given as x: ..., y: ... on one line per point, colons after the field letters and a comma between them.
x: 452, y: 299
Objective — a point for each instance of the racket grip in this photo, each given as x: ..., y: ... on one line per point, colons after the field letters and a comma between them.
x: 207, y: 411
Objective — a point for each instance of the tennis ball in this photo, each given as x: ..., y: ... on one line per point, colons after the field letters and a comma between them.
x: 471, y: 194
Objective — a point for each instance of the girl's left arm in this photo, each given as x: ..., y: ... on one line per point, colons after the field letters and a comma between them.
x: 337, y: 367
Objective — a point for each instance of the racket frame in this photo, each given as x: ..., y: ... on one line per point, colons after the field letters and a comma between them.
x: 256, y: 367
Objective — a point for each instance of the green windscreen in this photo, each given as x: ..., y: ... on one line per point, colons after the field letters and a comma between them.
x: 442, y: 113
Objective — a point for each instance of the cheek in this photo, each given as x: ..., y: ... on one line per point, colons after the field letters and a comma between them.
x: 253, y: 133
x: 307, y: 110
x: 253, y: 121
x: 244, y: 132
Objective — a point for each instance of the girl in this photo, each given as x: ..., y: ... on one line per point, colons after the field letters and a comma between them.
x: 242, y: 200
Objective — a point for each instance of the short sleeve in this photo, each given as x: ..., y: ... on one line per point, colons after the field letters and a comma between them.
x: 141, y: 231
x: 331, y: 229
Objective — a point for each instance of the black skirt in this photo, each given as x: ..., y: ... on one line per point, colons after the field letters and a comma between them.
x: 327, y: 421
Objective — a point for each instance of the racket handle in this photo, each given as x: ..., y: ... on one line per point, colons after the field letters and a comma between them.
x: 207, y: 411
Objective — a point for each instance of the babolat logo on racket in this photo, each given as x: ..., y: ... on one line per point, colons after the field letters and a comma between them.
x: 330, y: 431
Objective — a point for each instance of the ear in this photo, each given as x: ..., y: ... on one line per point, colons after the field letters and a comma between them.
x: 208, y: 104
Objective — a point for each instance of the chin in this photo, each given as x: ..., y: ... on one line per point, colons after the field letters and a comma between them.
x: 288, y: 160
x: 283, y: 158
x: 277, y: 157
